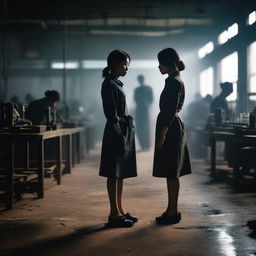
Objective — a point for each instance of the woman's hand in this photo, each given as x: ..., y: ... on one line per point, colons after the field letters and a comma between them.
x: 160, y: 142
x: 161, y: 139
x: 118, y: 129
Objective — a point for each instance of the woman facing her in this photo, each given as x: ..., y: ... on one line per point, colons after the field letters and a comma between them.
x: 118, y: 159
x: 171, y: 157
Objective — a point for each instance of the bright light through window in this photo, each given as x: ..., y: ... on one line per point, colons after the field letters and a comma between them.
x: 252, y: 87
x: 228, y: 34
x: 201, y: 53
x: 206, y: 82
x: 100, y: 64
x: 68, y: 65
x: 252, y: 58
x: 206, y: 49
x: 209, y: 47
x: 229, y: 73
x: 94, y: 64
x: 252, y: 70
x: 252, y: 18
x: 223, y: 37
x: 144, y: 64
x: 233, y: 30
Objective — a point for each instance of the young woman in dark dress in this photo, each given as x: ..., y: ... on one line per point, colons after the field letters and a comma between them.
x: 171, y: 157
x: 118, y: 159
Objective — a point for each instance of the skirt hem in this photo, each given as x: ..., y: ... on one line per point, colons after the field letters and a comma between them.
x: 171, y: 177
x: 106, y: 176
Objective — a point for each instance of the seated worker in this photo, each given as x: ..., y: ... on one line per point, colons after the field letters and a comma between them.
x: 220, y: 101
x: 41, y: 111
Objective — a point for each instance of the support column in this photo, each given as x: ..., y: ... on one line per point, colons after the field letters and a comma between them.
x: 242, y: 80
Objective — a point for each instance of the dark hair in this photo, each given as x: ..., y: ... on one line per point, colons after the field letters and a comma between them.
x: 226, y: 86
x: 116, y: 56
x: 54, y: 95
x: 170, y: 58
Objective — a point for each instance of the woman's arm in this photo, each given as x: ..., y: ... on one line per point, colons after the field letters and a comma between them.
x: 161, y: 139
x: 169, y: 109
x: 170, y: 102
x: 109, y: 100
x: 118, y: 129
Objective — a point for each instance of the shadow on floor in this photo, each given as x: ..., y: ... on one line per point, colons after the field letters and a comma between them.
x: 51, y: 244
x: 245, y: 186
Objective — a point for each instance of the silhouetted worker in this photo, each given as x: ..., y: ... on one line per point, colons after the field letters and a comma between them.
x: 143, y: 96
x: 38, y: 111
x: 221, y: 102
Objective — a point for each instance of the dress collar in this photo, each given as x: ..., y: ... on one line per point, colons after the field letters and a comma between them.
x: 174, y: 73
x: 118, y: 82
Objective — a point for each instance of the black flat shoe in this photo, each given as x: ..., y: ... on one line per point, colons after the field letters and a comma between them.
x: 128, y: 216
x: 168, y: 220
x: 159, y: 217
x: 120, y: 222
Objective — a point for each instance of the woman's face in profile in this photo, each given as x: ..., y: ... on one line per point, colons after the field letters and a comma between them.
x: 163, y: 69
x: 122, y: 68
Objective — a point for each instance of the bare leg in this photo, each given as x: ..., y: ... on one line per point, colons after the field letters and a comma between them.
x: 119, y: 195
x: 173, y: 186
x: 111, y: 186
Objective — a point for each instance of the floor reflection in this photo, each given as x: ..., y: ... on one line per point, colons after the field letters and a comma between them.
x: 226, y: 242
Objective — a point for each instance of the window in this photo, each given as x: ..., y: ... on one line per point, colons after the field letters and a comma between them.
x: 94, y: 64
x: 223, y: 37
x: 100, y: 64
x: 229, y: 73
x: 228, y: 34
x: 252, y: 18
x: 206, y: 49
x: 232, y: 30
x: 252, y: 70
x: 135, y: 64
x: 206, y: 82
x: 68, y: 65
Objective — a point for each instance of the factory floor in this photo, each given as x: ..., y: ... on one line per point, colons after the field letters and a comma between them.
x: 69, y: 220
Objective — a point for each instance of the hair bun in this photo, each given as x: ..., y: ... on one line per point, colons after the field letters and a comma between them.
x: 47, y: 93
x: 180, y: 65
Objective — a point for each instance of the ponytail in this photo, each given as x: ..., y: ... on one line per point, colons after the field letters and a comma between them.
x: 106, y: 72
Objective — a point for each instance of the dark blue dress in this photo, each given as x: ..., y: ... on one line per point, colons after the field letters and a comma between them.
x: 172, y: 161
x: 118, y: 158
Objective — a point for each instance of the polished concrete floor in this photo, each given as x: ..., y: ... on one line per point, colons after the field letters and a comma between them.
x: 70, y: 219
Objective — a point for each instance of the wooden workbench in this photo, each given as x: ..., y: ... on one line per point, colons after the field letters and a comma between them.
x: 72, y: 135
